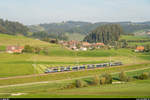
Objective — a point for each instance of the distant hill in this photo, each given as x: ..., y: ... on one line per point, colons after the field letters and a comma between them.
x: 86, y: 27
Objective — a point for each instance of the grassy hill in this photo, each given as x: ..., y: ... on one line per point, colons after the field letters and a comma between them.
x: 134, y: 38
x: 75, y: 36
x: 21, y: 64
x: 15, y: 65
x: 129, y: 37
x: 134, y: 89
x: 6, y: 40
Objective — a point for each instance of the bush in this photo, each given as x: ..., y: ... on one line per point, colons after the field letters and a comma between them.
x: 144, y: 75
x: 28, y: 49
x: 79, y: 84
x: 123, y: 76
x: 108, y: 78
x: 129, y: 79
x: 103, y: 80
x: 68, y: 86
x: 96, y: 80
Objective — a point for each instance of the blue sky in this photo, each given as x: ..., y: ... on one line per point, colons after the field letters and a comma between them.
x: 47, y: 11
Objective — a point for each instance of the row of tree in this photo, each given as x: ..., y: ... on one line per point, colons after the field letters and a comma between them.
x: 42, y: 35
x: 105, y: 34
x: 105, y: 79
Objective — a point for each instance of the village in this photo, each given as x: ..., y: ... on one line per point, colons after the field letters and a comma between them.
x: 81, y: 46
x: 71, y: 45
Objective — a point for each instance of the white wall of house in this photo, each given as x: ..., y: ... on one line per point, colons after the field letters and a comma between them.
x: 9, y: 52
x: 83, y: 49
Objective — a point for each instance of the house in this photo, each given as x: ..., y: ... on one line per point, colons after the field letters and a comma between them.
x: 86, y: 44
x: 139, y: 49
x: 14, y: 49
x: 73, y: 47
x: 148, y: 32
x: 83, y: 48
x: 98, y: 45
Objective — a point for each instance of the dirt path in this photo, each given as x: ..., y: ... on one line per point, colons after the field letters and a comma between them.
x: 33, y: 83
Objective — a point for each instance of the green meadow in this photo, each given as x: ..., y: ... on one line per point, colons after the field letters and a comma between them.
x: 134, y: 89
x: 15, y: 65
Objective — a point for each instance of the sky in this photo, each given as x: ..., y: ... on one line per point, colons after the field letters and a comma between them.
x: 31, y: 12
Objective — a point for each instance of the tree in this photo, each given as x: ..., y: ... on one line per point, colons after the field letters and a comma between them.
x: 105, y: 34
x: 37, y: 50
x: 144, y: 75
x: 46, y: 51
x: 79, y: 83
x: 12, y: 28
x: 124, y: 44
x: 103, y: 80
x: 96, y: 80
x: 108, y: 78
x: 28, y: 49
x: 123, y: 76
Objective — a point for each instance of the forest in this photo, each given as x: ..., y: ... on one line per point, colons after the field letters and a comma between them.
x: 105, y: 34
x: 13, y: 28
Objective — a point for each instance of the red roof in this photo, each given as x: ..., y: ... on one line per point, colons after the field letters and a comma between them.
x: 15, y: 48
x: 99, y: 44
x: 86, y: 44
x: 140, y: 48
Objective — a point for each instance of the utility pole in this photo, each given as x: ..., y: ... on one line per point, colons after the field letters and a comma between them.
x: 34, y: 66
x: 109, y: 60
x: 135, y: 59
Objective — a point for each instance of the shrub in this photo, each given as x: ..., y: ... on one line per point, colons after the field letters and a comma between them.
x: 71, y: 85
x: 108, y: 78
x: 129, y: 79
x: 96, y: 80
x: 103, y: 80
x: 144, y: 75
x: 28, y: 49
x: 79, y: 84
x: 68, y: 86
x: 123, y: 76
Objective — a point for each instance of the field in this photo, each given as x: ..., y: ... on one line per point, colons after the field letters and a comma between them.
x: 18, y: 69
x: 136, y: 38
x: 127, y: 37
x: 134, y: 89
x: 75, y: 36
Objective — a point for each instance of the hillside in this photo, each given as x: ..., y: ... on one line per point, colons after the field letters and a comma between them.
x: 6, y: 40
x: 86, y: 27
x: 12, y: 28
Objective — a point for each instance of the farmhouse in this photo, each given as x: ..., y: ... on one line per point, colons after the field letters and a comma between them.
x: 148, y: 32
x: 86, y: 44
x: 98, y: 45
x: 139, y: 49
x: 83, y: 48
x: 14, y: 49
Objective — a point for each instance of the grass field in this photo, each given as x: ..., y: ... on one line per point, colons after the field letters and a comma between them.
x: 75, y: 36
x: 134, y: 89
x: 127, y: 37
x: 70, y: 75
x: 22, y: 64
x: 12, y: 65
